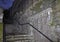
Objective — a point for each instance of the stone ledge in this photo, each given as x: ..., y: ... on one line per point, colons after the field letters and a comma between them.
x: 19, y: 37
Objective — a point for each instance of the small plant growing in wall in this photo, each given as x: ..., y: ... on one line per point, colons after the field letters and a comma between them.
x: 37, y: 6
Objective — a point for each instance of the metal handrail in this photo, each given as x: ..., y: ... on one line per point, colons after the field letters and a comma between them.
x: 35, y: 29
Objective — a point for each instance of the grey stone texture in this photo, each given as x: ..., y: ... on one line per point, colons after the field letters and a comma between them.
x: 40, y: 20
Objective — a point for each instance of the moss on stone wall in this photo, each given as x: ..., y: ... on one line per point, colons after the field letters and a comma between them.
x: 58, y: 1
x: 37, y: 6
x: 55, y: 15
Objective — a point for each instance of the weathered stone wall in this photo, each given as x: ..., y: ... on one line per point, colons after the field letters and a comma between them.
x: 40, y: 19
x: 41, y: 22
x: 15, y: 29
x: 56, y: 19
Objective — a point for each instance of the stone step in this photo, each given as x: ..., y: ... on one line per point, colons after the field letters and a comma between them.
x: 19, y: 38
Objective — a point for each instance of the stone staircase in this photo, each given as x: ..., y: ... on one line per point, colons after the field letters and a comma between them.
x: 20, y: 38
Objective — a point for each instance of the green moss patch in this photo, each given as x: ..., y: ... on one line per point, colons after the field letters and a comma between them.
x: 1, y: 31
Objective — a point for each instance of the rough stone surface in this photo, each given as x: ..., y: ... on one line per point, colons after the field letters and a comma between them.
x: 39, y: 20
